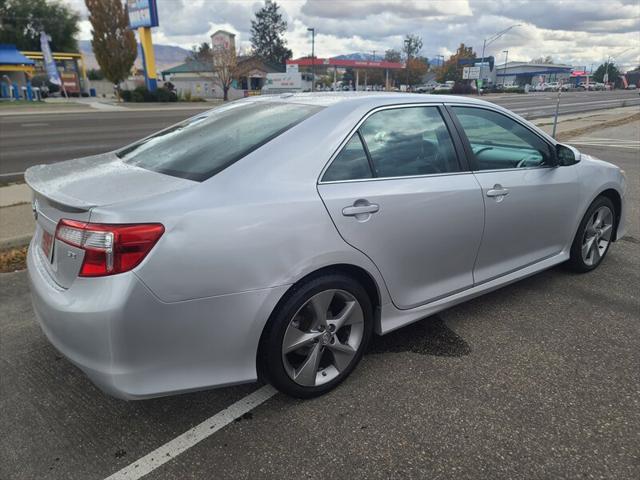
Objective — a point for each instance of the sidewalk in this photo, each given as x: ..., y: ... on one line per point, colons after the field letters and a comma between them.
x: 85, y: 105
x: 17, y: 223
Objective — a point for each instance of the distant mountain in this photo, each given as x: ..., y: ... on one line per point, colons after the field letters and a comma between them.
x: 369, y: 56
x: 167, y: 56
x: 360, y: 56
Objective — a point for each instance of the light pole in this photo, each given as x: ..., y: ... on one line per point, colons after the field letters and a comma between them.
x: 313, y: 58
x: 504, y: 70
x: 489, y: 40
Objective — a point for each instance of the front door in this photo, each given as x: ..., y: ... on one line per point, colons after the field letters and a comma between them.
x: 530, y: 205
x: 397, y: 193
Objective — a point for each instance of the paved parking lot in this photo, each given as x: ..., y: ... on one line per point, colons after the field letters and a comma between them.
x: 538, y: 380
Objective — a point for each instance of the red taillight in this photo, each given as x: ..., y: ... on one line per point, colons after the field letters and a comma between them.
x: 109, y: 249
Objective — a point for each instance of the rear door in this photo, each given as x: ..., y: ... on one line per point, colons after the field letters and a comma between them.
x: 397, y: 192
x: 529, y: 204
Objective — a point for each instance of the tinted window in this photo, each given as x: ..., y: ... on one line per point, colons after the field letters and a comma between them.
x: 350, y: 164
x: 409, y: 141
x: 500, y: 142
x: 206, y: 144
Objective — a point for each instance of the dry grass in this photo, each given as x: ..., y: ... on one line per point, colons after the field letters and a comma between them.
x: 13, y: 259
x: 563, y: 136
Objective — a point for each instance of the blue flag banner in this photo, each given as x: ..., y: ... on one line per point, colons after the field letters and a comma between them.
x: 49, y: 62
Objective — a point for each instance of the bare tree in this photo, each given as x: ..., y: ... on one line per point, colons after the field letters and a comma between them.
x: 225, y: 62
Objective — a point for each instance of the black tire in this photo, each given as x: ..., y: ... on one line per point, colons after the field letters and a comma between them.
x: 271, y: 366
x: 576, y: 262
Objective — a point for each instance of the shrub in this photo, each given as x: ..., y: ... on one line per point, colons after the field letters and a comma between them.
x: 137, y: 96
x: 165, y: 95
x: 462, y: 88
x: 147, y: 95
x: 125, y: 95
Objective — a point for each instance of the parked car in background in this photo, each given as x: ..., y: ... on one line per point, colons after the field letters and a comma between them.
x: 539, y: 87
x: 273, y: 236
x: 551, y: 87
x: 631, y: 86
x: 444, y: 87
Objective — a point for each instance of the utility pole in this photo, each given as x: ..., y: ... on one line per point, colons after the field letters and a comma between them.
x: 374, y: 55
x: 313, y: 58
x: 504, y: 70
x: 406, y: 67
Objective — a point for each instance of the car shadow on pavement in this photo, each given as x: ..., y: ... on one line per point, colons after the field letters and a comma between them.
x: 429, y: 336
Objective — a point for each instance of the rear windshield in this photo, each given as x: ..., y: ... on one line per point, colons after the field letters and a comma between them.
x: 206, y: 144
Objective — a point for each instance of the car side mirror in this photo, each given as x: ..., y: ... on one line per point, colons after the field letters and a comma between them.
x: 565, y: 155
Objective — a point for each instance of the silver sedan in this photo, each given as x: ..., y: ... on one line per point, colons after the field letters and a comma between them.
x: 272, y: 237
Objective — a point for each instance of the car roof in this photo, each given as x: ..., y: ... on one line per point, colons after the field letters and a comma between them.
x: 327, y: 99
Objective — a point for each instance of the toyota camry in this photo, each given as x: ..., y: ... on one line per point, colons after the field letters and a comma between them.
x: 273, y: 236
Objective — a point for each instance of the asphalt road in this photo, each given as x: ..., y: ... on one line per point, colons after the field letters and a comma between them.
x: 538, y: 380
x: 49, y: 137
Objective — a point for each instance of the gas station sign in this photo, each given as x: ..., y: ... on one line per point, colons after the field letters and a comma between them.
x: 142, y: 13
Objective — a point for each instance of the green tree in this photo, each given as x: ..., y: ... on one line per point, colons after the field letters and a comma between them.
x: 267, y: 32
x: 200, y: 53
x: 113, y: 43
x: 21, y: 22
x: 610, y: 68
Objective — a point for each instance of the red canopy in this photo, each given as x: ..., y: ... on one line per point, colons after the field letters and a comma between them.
x: 334, y: 62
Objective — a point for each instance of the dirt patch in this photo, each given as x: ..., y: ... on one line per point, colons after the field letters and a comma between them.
x: 13, y: 259
x: 598, y: 126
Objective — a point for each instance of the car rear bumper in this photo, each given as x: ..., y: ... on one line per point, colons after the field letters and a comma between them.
x: 132, y: 345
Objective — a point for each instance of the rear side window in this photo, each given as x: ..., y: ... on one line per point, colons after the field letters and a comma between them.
x: 351, y: 163
x: 204, y: 145
x: 409, y: 141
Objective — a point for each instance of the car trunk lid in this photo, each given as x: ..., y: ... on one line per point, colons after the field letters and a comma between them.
x: 72, y: 189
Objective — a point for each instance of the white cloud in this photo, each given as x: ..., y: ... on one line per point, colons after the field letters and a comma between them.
x: 573, y: 32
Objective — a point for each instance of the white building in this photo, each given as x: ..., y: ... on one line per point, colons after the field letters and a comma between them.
x: 523, y: 73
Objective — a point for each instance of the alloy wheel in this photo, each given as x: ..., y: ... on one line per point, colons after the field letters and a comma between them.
x: 323, y: 337
x: 597, y: 236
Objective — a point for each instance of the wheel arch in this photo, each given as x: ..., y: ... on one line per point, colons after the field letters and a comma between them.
x: 615, y: 197
x: 359, y: 274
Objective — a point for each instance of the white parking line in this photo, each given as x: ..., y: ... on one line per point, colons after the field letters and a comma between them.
x: 604, y: 144
x: 188, y: 439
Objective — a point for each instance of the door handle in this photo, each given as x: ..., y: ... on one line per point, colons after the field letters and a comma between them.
x: 497, y: 191
x: 360, y: 209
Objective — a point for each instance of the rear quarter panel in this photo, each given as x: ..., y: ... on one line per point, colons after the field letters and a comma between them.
x: 258, y: 224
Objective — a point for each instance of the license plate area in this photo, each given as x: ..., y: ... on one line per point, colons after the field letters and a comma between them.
x: 47, y: 245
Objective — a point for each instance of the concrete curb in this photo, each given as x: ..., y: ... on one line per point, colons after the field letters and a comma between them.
x: 15, y: 242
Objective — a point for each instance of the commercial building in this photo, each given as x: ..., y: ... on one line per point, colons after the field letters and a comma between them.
x: 198, y: 78
x: 70, y: 66
x: 523, y: 73
x: 15, y: 71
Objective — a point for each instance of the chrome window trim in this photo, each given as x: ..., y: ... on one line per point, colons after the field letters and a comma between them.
x: 404, y: 177
x: 355, y: 129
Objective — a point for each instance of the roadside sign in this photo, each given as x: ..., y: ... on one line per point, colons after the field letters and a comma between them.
x: 470, y: 73
x: 142, y: 13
